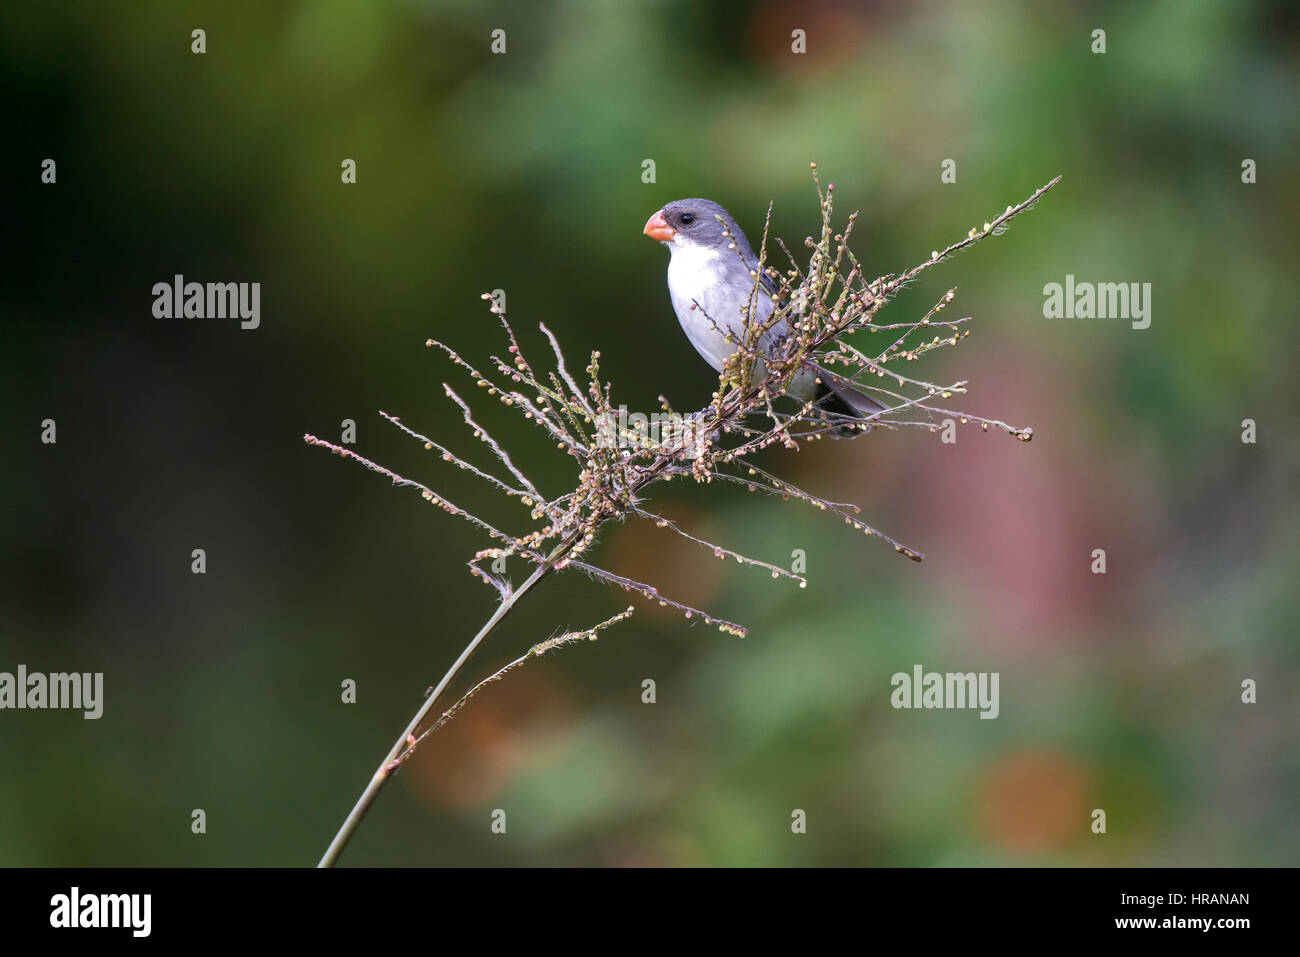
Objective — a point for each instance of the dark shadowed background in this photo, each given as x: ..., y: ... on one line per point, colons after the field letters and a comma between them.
x: 523, y: 172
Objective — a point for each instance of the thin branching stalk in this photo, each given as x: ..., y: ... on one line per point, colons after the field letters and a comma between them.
x: 824, y: 304
x: 405, y: 744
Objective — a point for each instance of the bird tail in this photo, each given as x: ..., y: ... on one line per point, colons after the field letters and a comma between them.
x: 838, y: 394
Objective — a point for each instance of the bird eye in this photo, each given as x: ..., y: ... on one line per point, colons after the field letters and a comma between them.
x: 688, y: 218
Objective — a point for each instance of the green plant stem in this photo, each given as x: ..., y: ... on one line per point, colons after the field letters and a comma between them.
x: 388, y: 766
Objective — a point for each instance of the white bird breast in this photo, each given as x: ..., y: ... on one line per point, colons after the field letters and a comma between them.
x: 693, y: 274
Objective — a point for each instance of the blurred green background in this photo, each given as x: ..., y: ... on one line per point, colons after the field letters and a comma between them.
x: 523, y: 172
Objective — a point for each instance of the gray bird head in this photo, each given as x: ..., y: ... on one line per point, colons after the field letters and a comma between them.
x: 696, y: 221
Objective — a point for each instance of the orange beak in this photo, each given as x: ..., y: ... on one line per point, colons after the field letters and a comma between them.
x: 657, y: 228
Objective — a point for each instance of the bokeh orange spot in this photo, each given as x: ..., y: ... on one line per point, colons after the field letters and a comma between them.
x: 1033, y: 801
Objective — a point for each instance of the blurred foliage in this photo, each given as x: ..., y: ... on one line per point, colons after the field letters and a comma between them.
x: 523, y: 172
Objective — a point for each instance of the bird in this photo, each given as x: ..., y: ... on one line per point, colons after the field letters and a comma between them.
x: 710, y: 284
